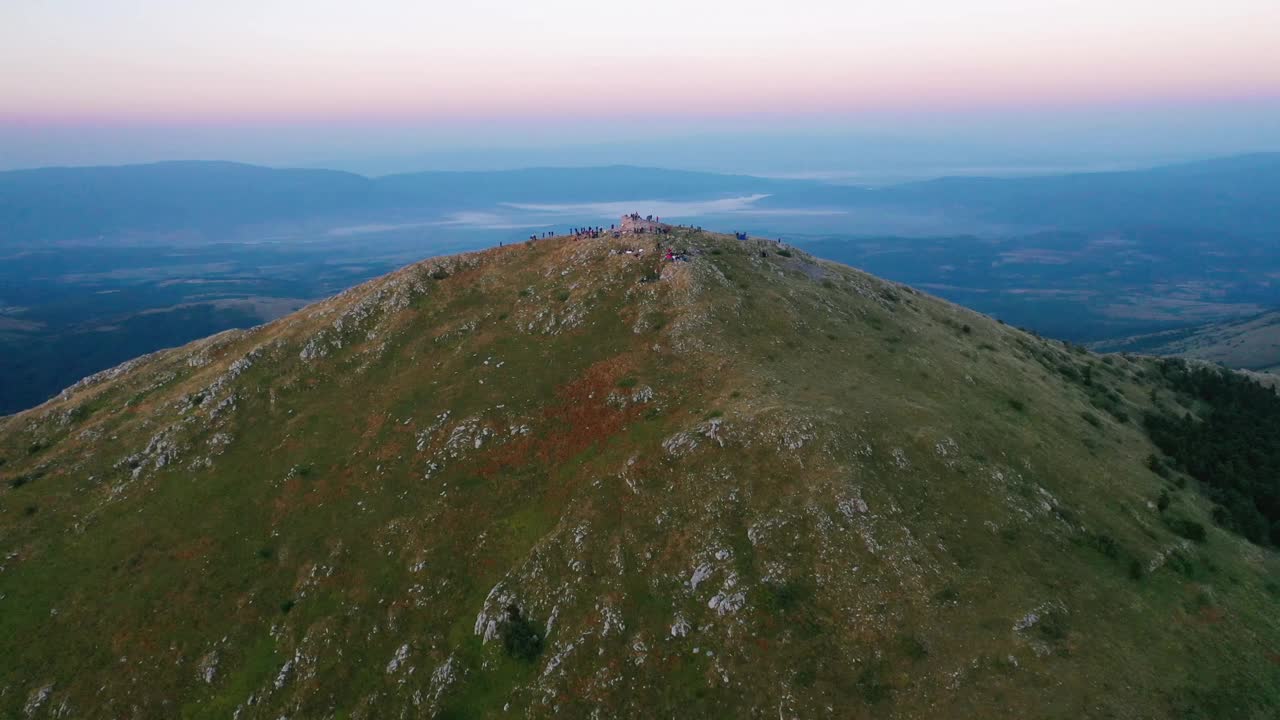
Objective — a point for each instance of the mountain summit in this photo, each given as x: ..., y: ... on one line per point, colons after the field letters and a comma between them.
x: 573, y: 477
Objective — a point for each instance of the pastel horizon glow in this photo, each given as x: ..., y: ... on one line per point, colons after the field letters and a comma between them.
x: 293, y: 59
x: 447, y: 67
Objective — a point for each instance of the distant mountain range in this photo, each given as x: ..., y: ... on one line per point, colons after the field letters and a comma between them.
x: 208, y: 198
x: 1235, y: 197
x: 1232, y: 196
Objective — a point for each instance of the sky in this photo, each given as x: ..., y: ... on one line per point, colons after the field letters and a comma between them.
x: 382, y: 85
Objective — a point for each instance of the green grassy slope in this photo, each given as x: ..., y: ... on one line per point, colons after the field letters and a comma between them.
x: 750, y: 485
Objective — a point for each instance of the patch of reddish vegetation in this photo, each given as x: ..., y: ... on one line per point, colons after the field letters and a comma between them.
x: 373, y: 427
x: 467, y: 277
x: 290, y: 497
x: 373, y: 443
x: 1211, y: 615
x: 196, y: 549
x: 581, y: 418
x: 321, y: 492
x: 390, y: 450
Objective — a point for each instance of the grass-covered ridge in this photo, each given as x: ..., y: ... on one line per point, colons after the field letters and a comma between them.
x: 558, y: 479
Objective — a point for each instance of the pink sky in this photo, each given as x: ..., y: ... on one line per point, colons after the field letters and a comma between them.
x: 334, y: 81
x: 276, y: 60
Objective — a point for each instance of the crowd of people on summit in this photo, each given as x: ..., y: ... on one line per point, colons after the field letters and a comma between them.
x: 635, y: 224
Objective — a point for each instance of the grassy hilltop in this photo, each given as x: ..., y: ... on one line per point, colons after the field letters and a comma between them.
x: 552, y: 479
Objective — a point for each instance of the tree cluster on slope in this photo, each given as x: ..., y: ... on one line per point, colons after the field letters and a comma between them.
x: 1232, y: 448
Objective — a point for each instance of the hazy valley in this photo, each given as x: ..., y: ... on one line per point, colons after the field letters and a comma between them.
x: 102, y: 264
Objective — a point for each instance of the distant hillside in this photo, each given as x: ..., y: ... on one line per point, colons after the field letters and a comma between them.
x: 1235, y: 198
x: 1251, y: 344
x: 558, y: 479
x: 1231, y: 197
x: 207, y: 199
x: 79, y: 203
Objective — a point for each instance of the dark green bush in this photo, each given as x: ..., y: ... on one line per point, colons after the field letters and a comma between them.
x: 1155, y: 465
x: 874, y: 683
x: 1272, y: 587
x: 1189, y: 529
x: 1106, y: 545
x: 788, y: 596
x: 520, y: 638
x: 1053, y: 625
x: 913, y: 647
x: 948, y: 595
x: 1180, y: 563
